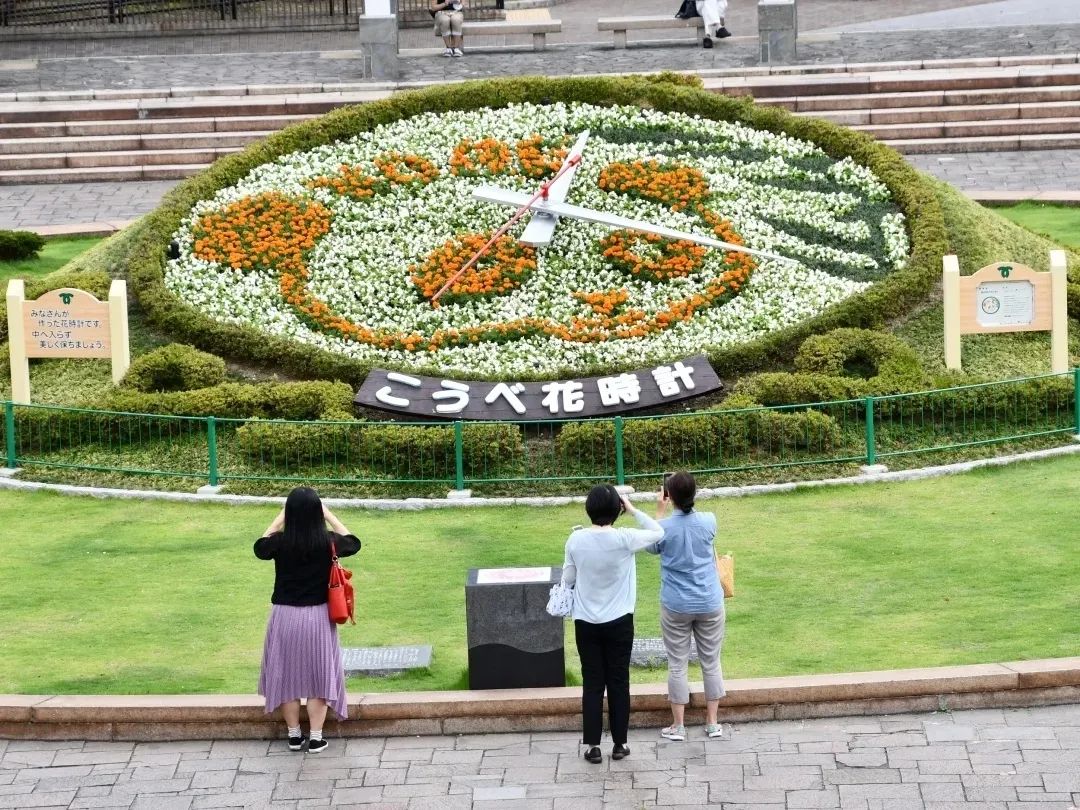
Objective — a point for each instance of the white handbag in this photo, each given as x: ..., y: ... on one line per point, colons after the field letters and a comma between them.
x: 560, y: 601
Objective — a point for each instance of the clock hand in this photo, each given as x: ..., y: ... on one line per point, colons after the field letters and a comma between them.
x: 567, y: 166
x: 541, y: 228
x: 557, y: 209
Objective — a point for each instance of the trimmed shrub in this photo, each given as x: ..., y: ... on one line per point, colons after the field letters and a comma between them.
x: 18, y: 245
x: 886, y: 363
x: 299, y: 444
x: 406, y: 451
x: 291, y: 400
x: 175, y: 367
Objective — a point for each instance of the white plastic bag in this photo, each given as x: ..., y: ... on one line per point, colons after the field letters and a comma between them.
x: 560, y: 601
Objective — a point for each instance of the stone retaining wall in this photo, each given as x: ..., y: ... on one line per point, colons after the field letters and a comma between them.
x: 183, y: 717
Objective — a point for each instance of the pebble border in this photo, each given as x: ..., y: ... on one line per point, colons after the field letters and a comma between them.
x: 9, y: 481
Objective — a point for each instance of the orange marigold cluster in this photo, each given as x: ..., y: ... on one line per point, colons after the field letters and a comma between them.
x: 486, y: 156
x: 603, y: 303
x: 650, y: 256
x: 268, y: 231
x: 501, y: 269
x: 394, y: 168
x: 532, y: 157
x: 677, y: 186
x: 406, y: 170
x: 538, y: 160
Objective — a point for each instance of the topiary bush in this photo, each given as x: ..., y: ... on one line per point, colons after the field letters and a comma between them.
x: 18, y: 245
x: 175, y: 367
x: 289, y: 400
x: 886, y: 363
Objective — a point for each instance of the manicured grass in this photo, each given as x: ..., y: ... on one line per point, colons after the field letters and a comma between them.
x: 144, y: 597
x: 55, y: 254
x: 1060, y: 222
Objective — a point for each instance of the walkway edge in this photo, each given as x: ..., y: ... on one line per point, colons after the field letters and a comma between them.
x: 184, y: 717
x: 9, y: 480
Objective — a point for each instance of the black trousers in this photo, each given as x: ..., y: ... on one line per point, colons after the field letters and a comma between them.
x: 604, y: 650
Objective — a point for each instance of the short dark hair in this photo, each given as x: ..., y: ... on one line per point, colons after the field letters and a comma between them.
x: 682, y: 488
x: 603, y: 505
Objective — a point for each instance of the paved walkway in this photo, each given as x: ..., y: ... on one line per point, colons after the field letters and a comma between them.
x: 80, y: 203
x: 1015, y: 759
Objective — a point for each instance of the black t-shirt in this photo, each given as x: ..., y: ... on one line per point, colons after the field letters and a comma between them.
x: 301, y: 580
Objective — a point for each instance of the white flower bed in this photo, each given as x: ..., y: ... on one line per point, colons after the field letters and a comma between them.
x: 762, y: 183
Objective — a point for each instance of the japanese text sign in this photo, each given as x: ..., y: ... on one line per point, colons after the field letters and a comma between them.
x: 574, y: 399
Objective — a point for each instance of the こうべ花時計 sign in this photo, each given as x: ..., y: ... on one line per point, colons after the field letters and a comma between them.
x: 65, y: 323
x: 1006, y: 297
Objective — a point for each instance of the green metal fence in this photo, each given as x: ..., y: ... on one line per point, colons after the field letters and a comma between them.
x: 723, y: 443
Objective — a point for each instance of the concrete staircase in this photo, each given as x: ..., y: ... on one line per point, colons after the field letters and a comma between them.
x: 979, y: 105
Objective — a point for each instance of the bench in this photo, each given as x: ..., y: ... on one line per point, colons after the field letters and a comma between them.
x: 620, y: 25
x: 538, y: 28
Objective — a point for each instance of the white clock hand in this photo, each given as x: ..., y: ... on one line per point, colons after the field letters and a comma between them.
x: 541, y: 228
x: 561, y: 209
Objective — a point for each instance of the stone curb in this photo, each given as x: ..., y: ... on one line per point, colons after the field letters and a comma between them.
x: 79, y: 229
x: 9, y: 480
x: 180, y: 717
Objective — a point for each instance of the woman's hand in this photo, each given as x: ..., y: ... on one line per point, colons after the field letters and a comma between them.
x: 627, y: 507
x: 277, y: 524
x: 663, y: 503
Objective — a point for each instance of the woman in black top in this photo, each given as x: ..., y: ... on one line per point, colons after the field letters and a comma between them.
x: 301, y: 657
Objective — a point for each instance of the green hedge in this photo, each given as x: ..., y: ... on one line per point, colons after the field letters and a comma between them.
x: 18, y: 245
x: 704, y: 439
x: 382, y: 449
x: 290, y: 400
x: 140, y: 251
x: 175, y: 367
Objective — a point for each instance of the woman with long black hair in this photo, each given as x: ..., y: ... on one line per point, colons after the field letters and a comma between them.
x: 301, y: 656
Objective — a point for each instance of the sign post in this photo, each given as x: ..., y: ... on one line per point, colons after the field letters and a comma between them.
x: 1006, y: 297
x: 65, y: 323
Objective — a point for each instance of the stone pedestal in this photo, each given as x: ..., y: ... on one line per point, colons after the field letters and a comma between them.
x: 378, y: 46
x: 513, y: 642
x: 777, y: 31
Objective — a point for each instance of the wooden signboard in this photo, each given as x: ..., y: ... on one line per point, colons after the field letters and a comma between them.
x: 65, y: 323
x: 1006, y: 297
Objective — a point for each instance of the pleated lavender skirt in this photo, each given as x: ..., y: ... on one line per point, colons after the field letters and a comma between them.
x: 302, y: 659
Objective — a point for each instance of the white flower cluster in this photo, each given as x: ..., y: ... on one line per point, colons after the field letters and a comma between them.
x: 361, y: 268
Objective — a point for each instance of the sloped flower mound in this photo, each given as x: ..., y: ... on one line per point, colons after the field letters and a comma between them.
x: 362, y: 247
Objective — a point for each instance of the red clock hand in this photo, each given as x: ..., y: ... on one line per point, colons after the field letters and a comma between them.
x: 543, y: 192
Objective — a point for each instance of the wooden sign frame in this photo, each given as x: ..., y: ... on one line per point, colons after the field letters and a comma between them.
x: 65, y: 322
x: 1006, y: 297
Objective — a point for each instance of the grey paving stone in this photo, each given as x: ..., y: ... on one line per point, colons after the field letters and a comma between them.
x: 861, y: 776
x: 356, y: 795
x: 799, y: 777
x: 481, y: 794
x: 254, y: 799
x: 695, y: 794
x: 960, y: 766
x: 57, y: 799
x: 865, y: 758
x: 942, y: 792
x: 891, y: 791
x: 946, y: 732
x: 163, y: 803
x: 409, y: 791
x: 374, y: 777
x: 312, y: 789
x: 830, y: 797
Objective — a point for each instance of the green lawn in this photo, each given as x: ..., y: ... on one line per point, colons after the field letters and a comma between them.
x: 55, y: 254
x: 144, y: 597
x: 1060, y: 222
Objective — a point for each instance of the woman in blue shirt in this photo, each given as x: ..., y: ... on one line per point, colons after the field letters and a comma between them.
x: 691, y: 601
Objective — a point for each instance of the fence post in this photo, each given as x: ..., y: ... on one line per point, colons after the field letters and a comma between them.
x: 871, y: 450
x: 620, y: 471
x: 9, y: 432
x: 459, y: 456
x: 1076, y: 399
x: 211, y: 441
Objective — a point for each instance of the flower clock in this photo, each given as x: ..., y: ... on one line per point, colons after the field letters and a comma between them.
x: 387, y: 247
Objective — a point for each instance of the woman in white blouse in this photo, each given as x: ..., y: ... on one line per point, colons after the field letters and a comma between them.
x: 600, y: 566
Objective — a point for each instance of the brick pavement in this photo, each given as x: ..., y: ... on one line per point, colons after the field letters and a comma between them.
x: 991, y: 759
x: 78, y: 203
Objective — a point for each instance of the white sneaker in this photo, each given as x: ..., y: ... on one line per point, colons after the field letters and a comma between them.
x: 448, y: 52
x: 458, y: 52
x: 714, y: 731
x: 677, y: 733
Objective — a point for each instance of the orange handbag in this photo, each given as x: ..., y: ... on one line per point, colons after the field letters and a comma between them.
x: 340, y: 599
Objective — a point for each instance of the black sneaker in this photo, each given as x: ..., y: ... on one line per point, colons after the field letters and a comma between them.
x: 707, y: 42
x: 296, y: 743
x: 620, y: 751
x: 594, y: 756
x: 317, y: 746
x: 723, y: 33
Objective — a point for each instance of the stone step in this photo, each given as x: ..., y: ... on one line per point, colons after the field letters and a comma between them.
x: 926, y: 98
x: 968, y: 129
x: 209, y: 107
x: 95, y: 129
x: 123, y: 158
x: 905, y: 81
x: 951, y: 114
x: 985, y: 143
x: 100, y: 174
x: 129, y: 143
